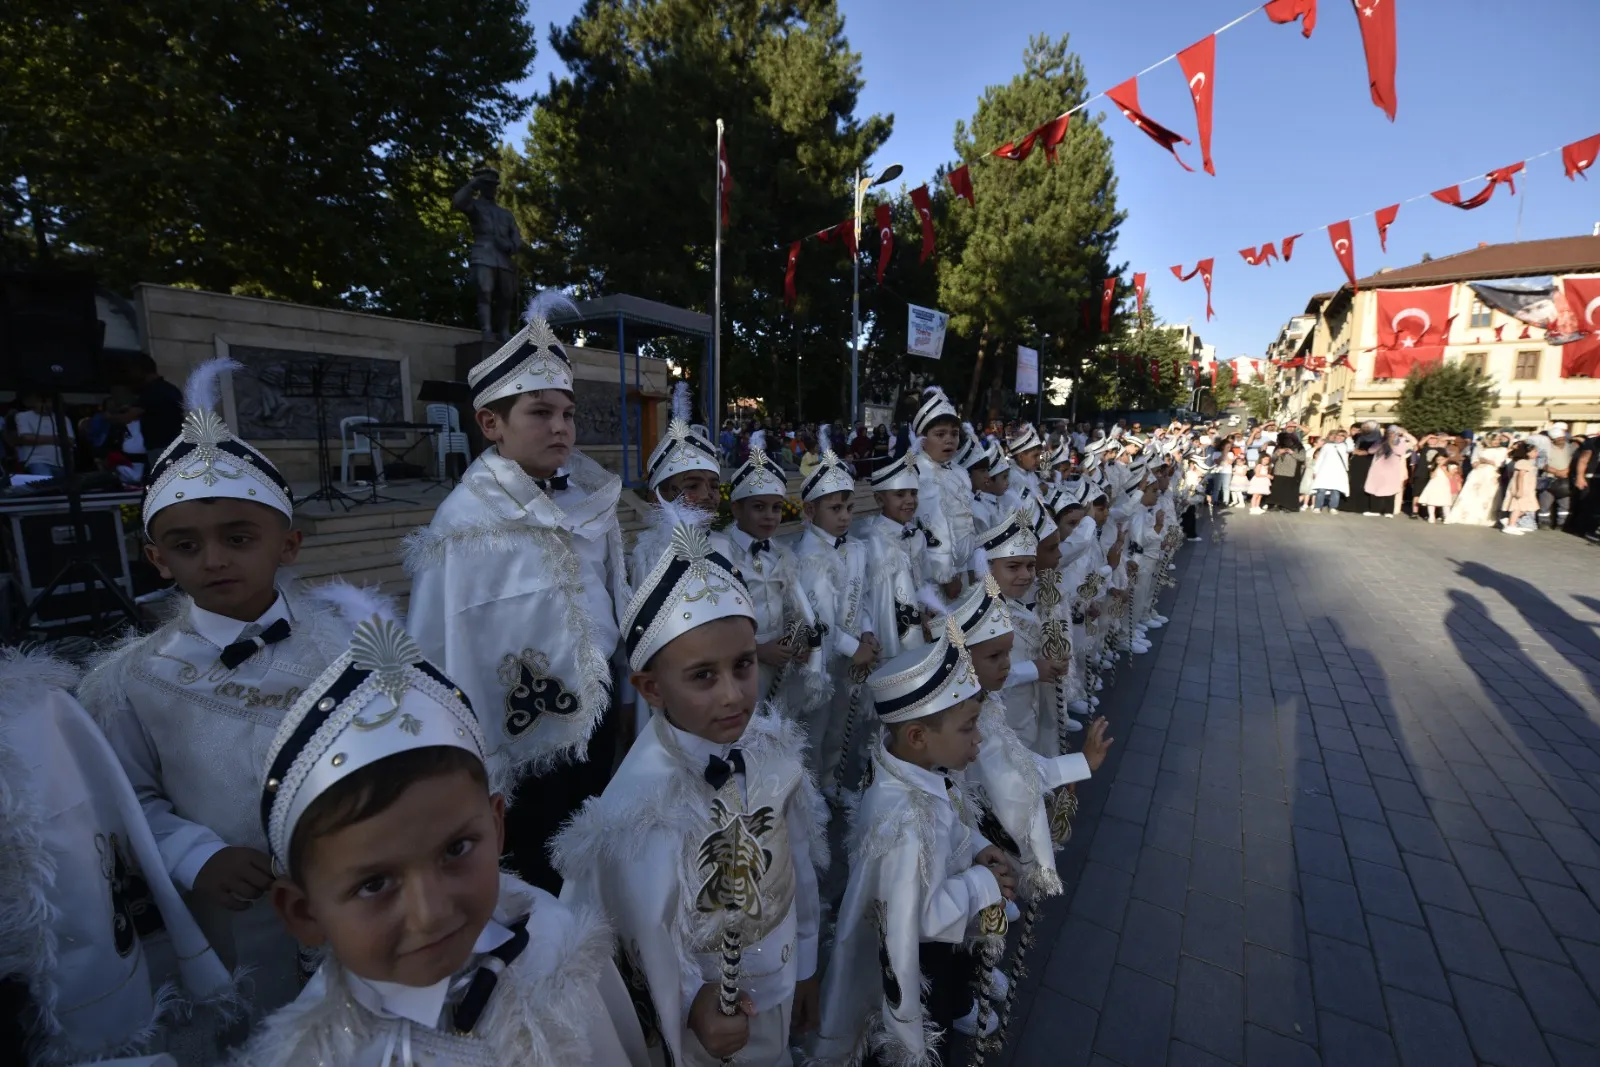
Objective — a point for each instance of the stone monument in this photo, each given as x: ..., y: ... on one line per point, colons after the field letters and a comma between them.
x: 495, y: 239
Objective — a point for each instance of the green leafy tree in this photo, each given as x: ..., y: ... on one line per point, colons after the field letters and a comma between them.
x: 1444, y: 398
x: 1257, y: 399
x: 304, y: 149
x: 1040, y: 237
x: 617, y: 186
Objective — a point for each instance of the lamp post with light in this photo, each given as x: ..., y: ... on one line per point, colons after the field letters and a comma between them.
x: 859, y: 189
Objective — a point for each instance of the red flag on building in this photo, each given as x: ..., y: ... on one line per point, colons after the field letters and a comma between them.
x: 788, y: 275
x: 1579, y: 156
x: 1527, y: 332
x: 1378, y: 40
x: 1255, y: 366
x: 1155, y: 371
x: 924, y: 206
x: 1413, y: 329
x: 1199, y: 63
x: 1138, y: 295
x: 1498, y: 330
x: 1344, y: 249
x: 961, y: 184
x: 1108, y: 298
x: 1288, y: 10
x: 1581, y: 359
x: 1386, y: 216
x: 1126, y: 97
x: 1213, y: 375
x: 724, y: 177
x: 885, y: 223
x: 1288, y: 246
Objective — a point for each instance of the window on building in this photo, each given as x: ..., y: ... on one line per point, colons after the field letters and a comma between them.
x: 1527, y: 366
x: 1481, y: 315
x: 1478, y: 361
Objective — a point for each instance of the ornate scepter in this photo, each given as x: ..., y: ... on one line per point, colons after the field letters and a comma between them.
x: 858, y: 678
x: 798, y: 631
x: 991, y: 946
x: 736, y: 861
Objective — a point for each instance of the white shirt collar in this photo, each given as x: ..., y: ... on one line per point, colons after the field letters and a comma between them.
x: 929, y: 781
x: 222, y: 631
x: 827, y: 538
x: 697, y: 748
x: 741, y: 539
x: 422, y: 1005
x: 890, y: 526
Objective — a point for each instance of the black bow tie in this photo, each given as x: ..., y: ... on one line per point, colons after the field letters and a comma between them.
x: 553, y: 484
x: 838, y: 542
x: 758, y: 547
x: 465, y: 1016
x: 719, y: 770
x: 240, y: 651
x: 912, y: 529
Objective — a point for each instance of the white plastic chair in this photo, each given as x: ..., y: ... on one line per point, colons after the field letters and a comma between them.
x: 450, y: 441
x: 355, y: 444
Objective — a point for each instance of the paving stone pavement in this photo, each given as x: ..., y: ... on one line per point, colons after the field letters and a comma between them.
x: 1351, y: 816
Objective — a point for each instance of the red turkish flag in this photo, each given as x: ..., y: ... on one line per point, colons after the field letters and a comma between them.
x: 1213, y: 375
x: 1527, y: 332
x: 1452, y: 194
x: 724, y: 177
x: 1582, y: 358
x: 1385, y: 218
x: 1126, y: 97
x: 1255, y: 366
x: 788, y: 275
x: 961, y: 184
x: 885, y: 237
x: 1199, y: 63
x: 1052, y: 134
x: 1376, y: 18
x: 1344, y: 248
x: 845, y: 233
x: 1498, y: 330
x: 1288, y: 246
x: 924, y: 206
x: 1108, y: 299
x: 1017, y: 151
x: 1204, y: 267
x: 1288, y: 10
x: 1155, y: 371
x: 1413, y: 328
x: 1257, y: 256
x: 1138, y: 293
x: 1579, y: 156
x: 1177, y: 272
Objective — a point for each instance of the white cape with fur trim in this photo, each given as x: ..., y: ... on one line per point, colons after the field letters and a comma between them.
x: 894, y: 584
x: 497, y: 603
x: 944, y: 504
x: 79, y: 872
x: 560, y: 1003
x: 634, y: 851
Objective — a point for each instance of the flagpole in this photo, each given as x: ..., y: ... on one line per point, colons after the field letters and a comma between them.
x: 716, y: 301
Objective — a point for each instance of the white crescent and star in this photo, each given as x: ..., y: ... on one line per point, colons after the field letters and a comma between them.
x: 1588, y: 311
x: 1411, y: 313
x: 1341, y: 242
x: 1200, y: 76
x: 885, y: 233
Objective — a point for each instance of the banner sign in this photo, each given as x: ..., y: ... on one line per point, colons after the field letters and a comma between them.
x: 925, y: 332
x: 1027, y: 370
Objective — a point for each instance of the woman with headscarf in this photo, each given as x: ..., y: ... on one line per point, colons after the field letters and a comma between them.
x: 1387, y: 476
x: 1364, y: 440
x: 1288, y: 463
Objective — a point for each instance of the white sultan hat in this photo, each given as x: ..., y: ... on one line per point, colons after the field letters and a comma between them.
x: 1058, y: 455
x: 900, y: 474
x: 1014, y: 536
x: 683, y: 447
x: 688, y: 587
x: 1025, y: 438
x: 379, y: 698
x: 935, y: 405
x: 982, y: 612
x: 206, y: 461
x: 971, y: 453
x: 759, y: 476
x: 1071, y: 494
x: 1094, y: 448
x: 831, y: 476
x: 998, y: 462
x: 532, y: 360
x: 1133, y: 439
x: 926, y: 680
x: 1044, y: 522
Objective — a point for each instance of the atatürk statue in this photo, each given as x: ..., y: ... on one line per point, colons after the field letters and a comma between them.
x: 495, y: 239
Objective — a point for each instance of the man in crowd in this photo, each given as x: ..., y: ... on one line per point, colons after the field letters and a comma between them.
x: 157, y: 407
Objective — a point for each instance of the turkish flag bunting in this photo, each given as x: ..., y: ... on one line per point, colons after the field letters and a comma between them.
x: 1204, y: 267
x: 724, y: 177
x: 1452, y: 194
x: 1052, y: 134
x: 1579, y: 156
x: 1155, y: 371
x: 1498, y: 330
x: 1108, y: 298
x: 1199, y: 63
x: 1126, y: 97
x: 961, y: 184
x: 1255, y: 366
x: 1413, y: 328
x: 1017, y: 151
x: 1213, y: 374
x: 1256, y: 257
x: 1138, y: 293
x: 1344, y: 248
x: 1377, y: 38
x: 1288, y: 10
x: 924, y: 206
x: 788, y: 275
x: 1177, y: 272
x: 1582, y: 358
x: 1086, y: 314
x: 845, y: 232
x: 1288, y: 246
x: 1527, y: 332
x: 1194, y: 364
x: 885, y: 237
x: 1385, y: 218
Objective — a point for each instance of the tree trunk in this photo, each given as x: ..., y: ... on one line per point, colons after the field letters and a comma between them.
x: 41, y: 239
x: 977, y: 371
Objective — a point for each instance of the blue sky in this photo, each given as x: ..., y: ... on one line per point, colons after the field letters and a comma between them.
x: 1297, y: 142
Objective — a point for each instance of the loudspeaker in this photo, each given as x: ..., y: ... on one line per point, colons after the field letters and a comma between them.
x: 50, y: 333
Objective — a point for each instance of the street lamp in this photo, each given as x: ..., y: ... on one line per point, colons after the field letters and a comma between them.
x: 859, y: 189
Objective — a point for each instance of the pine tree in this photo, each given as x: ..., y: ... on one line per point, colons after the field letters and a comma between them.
x: 1444, y: 398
